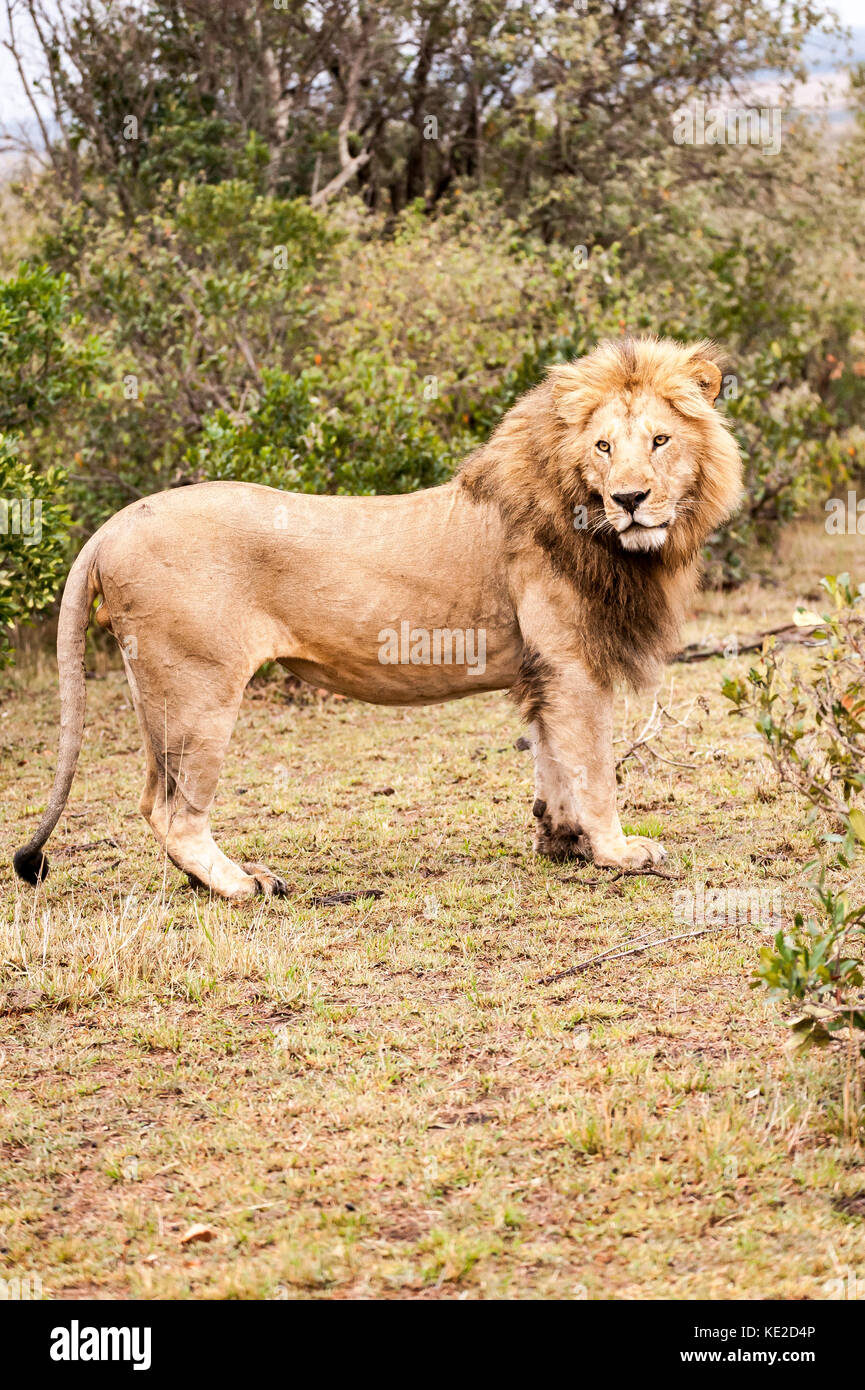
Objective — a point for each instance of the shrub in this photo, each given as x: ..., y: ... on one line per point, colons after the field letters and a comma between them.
x: 47, y: 369
x: 34, y: 529
x: 812, y: 724
x: 217, y: 290
x: 363, y: 431
x: 46, y: 361
x: 191, y: 303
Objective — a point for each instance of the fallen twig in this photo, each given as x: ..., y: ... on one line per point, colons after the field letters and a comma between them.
x: 335, y: 899
x: 92, y: 844
x: 621, y: 873
x: 671, y: 762
x: 650, y: 729
x: 785, y: 636
x: 615, y: 954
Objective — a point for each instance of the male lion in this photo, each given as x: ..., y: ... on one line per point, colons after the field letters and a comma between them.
x: 557, y: 561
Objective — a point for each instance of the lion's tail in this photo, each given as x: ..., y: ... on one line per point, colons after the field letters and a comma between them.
x: 30, y: 863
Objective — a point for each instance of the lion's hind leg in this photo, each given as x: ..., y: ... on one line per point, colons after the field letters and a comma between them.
x: 186, y: 734
x: 185, y: 834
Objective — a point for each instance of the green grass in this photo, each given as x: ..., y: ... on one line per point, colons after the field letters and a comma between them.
x: 381, y: 1099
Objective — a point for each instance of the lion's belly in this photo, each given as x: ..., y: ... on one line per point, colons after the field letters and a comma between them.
x: 416, y: 666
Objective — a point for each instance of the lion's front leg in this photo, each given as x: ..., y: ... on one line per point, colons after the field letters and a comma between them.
x: 575, y: 777
x: 558, y: 830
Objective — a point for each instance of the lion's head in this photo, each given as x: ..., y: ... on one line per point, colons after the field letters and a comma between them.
x: 616, y: 469
x: 641, y: 431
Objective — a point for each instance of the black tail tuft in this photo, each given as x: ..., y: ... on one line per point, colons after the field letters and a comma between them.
x: 31, y: 865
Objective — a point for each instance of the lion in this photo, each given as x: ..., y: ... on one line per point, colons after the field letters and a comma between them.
x: 556, y: 563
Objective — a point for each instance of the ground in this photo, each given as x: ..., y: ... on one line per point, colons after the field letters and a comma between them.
x: 382, y: 1098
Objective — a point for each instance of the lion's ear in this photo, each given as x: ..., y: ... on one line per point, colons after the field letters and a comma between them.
x: 573, y: 397
x: 708, y: 378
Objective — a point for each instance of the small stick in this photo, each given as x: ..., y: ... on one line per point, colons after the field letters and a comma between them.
x: 648, y: 731
x: 693, y: 767
x: 622, y: 873
x: 336, y: 899
x: 614, y: 954
x: 784, y: 636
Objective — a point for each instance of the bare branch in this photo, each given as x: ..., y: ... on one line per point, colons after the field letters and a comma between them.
x: 349, y: 164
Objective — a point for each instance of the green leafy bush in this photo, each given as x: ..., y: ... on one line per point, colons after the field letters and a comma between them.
x: 46, y: 360
x: 363, y: 432
x: 34, y: 534
x: 48, y: 365
x: 191, y: 302
x: 812, y: 723
x: 242, y: 333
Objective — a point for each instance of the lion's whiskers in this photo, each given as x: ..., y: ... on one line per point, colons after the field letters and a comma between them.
x: 599, y: 523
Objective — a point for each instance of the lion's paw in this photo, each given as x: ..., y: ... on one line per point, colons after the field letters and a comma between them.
x: 560, y: 843
x: 269, y: 884
x: 639, y: 852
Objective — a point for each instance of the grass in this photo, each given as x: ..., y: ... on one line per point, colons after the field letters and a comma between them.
x: 380, y: 1099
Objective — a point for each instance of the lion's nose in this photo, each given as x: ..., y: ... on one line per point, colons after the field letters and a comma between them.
x: 630, y: 501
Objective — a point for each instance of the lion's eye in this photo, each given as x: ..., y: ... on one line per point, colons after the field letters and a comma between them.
x: 659, y: 439
x: 603, y: 446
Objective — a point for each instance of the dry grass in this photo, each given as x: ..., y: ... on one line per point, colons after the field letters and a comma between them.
x: 380, y: 1098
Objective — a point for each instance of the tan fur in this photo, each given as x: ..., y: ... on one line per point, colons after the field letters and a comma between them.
x: 203, y: 584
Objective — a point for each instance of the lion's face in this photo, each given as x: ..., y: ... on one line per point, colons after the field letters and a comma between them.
x: 639, y: 433
x: 639, y: 457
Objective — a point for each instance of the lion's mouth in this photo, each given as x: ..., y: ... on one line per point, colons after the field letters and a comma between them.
x: 644, y: 535
x: 636, y: 531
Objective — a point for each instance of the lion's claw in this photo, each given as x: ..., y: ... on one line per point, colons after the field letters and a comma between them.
x: 639, y: 852
x: 269, y: 884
